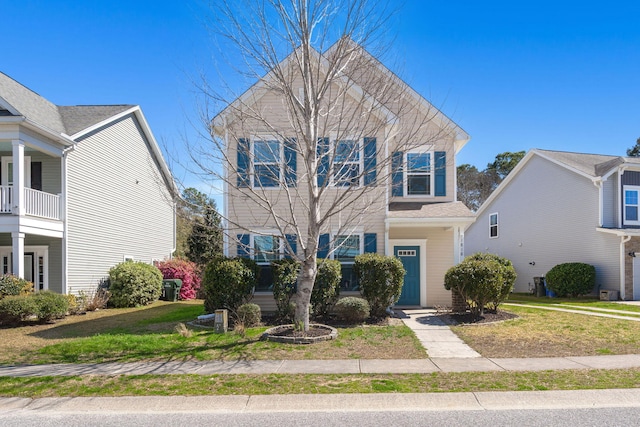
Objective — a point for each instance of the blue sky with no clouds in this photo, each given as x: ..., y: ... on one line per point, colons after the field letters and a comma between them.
x: 561, y: 75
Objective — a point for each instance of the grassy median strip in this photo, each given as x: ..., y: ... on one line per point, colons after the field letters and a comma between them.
x: 197, y: 385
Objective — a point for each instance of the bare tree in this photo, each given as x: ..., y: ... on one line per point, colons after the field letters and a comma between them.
x: 316, y: 143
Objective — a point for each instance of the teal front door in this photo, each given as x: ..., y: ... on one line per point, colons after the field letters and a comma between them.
x: 410, y: 257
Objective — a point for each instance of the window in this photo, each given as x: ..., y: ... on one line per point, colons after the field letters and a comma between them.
x: 7, y: 171
x: 267, y: 162
x: 418, y: 174
x: 493, y: 225
x: 266, y: 249
x: 346, y: 167
x: 631, y: 205
x: 347, y: 248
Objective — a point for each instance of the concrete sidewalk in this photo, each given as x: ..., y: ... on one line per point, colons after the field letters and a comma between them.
x: 349, y: 366
x: 476, y: 401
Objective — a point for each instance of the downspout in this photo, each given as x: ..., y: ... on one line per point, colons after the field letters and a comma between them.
x: 225, y: 196
x: 623, y: 253
x: 65, y: 221
x: 386, y: 190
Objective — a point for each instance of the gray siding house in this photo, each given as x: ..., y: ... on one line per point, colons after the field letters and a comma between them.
x: 82, y: 189
x: 558, y: 207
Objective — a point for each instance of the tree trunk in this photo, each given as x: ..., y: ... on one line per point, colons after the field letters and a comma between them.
x: 306, y: 280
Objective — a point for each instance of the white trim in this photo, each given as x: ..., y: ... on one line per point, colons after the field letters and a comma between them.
x: 333, y: 140
x: 496, y: 225
x: 636, y: 189
x: 5, y: 171
x: 126, y: 258
x: 252, y: 163
x: 422, y: 243
x: 430, y: 174
x: 38, y: 251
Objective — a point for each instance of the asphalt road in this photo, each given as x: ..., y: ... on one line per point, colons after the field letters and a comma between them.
x: 494, y: 418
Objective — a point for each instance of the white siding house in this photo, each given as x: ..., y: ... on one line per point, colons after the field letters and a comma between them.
x: 558, y: 207
x: 90, y: 189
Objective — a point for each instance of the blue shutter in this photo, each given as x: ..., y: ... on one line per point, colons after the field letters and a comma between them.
x: 370, y: 243
x: 323, y: 161
x: 290, y: 159
x: 397, y: 182
x: 292, y: 239
x: 243, y: 245
x: 323, y: 246
x: 243, y: 162
x: 369, y: 161
x: 441, y: 173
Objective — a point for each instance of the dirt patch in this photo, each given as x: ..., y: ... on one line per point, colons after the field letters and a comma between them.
x: 472, y: 319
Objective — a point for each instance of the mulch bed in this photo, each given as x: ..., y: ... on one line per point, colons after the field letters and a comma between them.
x: 472, y: 319
x: 313, y: 331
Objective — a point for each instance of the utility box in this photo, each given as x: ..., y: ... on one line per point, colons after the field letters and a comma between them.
x: 221, y: 321
x: 609, y: 295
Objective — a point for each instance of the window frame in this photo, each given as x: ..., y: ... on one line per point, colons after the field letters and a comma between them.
x: 254, y: 182
x: 430, y: 174
x: 348, y: 264
x: 252, y: 248
x: 626, y: 188
x: 359, y: 162
x: 495, y: 226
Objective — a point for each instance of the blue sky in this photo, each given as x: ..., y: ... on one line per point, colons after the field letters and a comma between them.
x: 560, y: 75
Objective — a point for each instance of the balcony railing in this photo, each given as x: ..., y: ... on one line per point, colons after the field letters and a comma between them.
x: 36, y: 203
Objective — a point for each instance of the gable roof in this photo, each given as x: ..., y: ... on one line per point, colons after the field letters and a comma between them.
x: 595, y: 167
x: 258, y: 89
x: 68, y: 123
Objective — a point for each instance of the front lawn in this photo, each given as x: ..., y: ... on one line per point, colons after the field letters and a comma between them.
x: 149, y: 334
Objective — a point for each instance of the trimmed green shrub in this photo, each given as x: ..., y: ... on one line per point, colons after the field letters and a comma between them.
x: 326, y: 288
x: 133, y: 284
x: 249, y: 314
x: 227, y: 283
x: 13, y: 285
x: 352, y: 309
x: 381, y: 278
x: 16, y: 308
x: 285, y: 279
x: 571, y: 278
x: 481, y: 279
x: 50, y: 305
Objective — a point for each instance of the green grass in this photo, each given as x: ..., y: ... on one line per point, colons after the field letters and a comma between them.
x: 180, y: 314
x: 586, y: 302
x: 194, y: 385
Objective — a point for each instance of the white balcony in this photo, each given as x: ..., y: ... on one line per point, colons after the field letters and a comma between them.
x: 36, y: 203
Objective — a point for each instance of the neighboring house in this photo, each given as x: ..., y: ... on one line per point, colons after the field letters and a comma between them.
x: 558, y: 207
x: 83, y: 188
x: 411, y: 213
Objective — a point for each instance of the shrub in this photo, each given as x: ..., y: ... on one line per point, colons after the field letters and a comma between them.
x: 50, y: 305
x: 75, y: 303
x: 481, y: 279
x: 381, y: 278
x: 499, y: 293
x: 249, y: 315
x: 572, y: 278
x: 285, y: 277
x: 227, y: 283
x: 13, y: 285
x: 16, y: 308
x: 184, y: 270
x: 94, y: 300
x: 352, y: 309
x: 134, y: 283
x: 326, y: 288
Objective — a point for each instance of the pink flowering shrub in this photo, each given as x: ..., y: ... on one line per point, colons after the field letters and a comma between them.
x: 184, y: 270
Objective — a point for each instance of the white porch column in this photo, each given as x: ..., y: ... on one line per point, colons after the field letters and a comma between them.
x: 18, y: 254
x: 18, y: 178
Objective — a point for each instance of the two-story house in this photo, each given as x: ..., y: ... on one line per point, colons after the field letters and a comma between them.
x: 558, y: 207
x: 83, y: 188
x: 385, y: 170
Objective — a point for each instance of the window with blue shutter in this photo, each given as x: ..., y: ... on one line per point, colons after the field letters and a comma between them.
x: 369, y: 161
x: 441, y: 173
x: 243, y: 249
x: 243, y: 162
x: 397, y: 186
x: 290, y: 159
x: 323, y: 161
